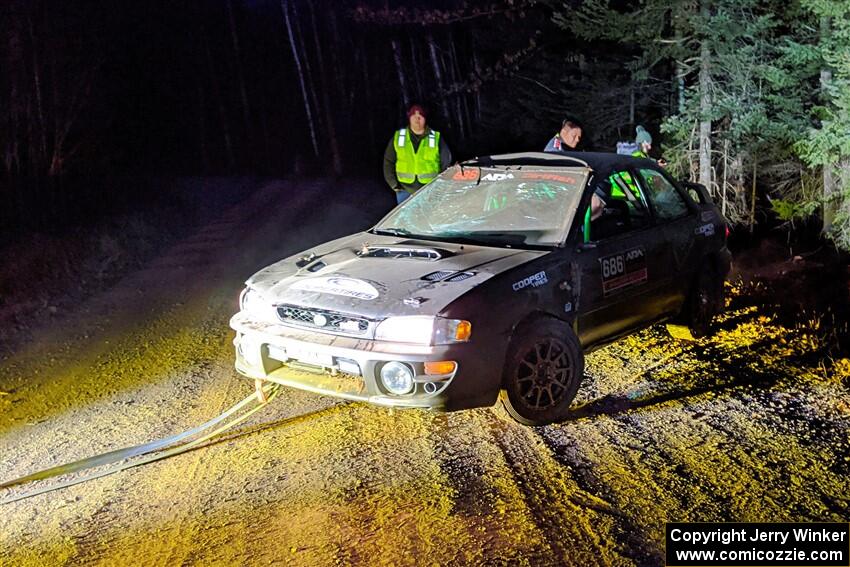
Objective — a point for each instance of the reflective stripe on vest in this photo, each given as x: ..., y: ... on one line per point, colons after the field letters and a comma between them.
x: 423, y: 164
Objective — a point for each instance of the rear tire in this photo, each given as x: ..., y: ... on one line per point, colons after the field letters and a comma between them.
x: 542, y: 374
x: 704, y: 301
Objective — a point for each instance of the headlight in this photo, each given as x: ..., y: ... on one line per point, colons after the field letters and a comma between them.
x: 252, y: 302
x: 397, y: 378
x: 423, y: 330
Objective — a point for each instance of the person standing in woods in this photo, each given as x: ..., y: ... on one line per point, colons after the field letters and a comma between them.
x: 643, y: 139
x: 567, y: 139
x: 415, y: 155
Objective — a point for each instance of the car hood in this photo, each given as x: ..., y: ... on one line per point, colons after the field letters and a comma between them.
x: 377, y: 276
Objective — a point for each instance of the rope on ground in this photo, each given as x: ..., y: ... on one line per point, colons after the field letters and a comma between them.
x: 154, y: 451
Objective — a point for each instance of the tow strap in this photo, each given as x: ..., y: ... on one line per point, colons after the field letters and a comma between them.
x: 153, y: 451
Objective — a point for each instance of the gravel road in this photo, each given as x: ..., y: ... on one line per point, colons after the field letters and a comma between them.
x: 750, y: 425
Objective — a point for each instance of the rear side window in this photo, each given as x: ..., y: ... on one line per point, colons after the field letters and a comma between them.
x: 667, y: 201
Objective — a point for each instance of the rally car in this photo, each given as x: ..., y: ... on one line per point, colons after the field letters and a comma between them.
x: 490, y: 282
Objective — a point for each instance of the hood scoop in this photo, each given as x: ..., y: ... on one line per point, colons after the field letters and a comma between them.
x: 414, y: 253
x: 448, y: 276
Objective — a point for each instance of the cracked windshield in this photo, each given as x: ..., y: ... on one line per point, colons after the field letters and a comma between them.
x: 492, y: 206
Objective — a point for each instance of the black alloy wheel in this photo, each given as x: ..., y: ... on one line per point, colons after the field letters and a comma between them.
x: 543, y: 372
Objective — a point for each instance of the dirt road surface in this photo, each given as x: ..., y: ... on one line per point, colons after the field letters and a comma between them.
x: 750, y: 425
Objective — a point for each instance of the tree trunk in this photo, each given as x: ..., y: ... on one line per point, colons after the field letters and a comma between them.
x: 829, y: 204
x: 405, y: 95
x: 222, y: 111
x: 284, y: 5
x: 36, y: 75
x: 243, y: 92
x: 367, y: 88
x: 324, y: 86
x: 705, y: 108
x: 753, y: 196
x: 422, y: 91
x: 308, y: 70
x: 342, y: 81
x: 476, y: 70
x: 679, y: 69
x: 459, y: 97
x: 725, y: 177
x: 438, y: 74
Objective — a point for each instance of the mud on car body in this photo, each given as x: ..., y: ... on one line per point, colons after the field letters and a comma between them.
x: 492, y: 281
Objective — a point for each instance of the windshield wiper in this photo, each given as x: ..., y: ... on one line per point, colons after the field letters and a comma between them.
x: 392, y: 231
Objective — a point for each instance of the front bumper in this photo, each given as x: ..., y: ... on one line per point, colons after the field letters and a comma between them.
x: 349, y: 367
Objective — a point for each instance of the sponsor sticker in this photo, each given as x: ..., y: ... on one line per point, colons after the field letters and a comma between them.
x: 497, y: 176
x: 534, y: 280
x: 548, y: 177
x: 466, y: 174
x: 622, y: 270
x: 705, y: 230
x: 348, y: 287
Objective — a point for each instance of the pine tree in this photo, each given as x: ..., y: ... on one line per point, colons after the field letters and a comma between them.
x: 741, y: 86
x: 828, y: 146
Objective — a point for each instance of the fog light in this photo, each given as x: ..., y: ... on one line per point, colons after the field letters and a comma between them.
x: 397, y: 378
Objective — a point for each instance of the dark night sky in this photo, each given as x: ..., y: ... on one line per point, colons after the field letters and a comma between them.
x: 212, y: 87
x: 154, y: 86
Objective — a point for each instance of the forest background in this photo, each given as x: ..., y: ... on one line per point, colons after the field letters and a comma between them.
x: 750, y: 98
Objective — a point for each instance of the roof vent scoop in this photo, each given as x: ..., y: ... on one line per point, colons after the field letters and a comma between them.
x: 460, y: 276
x: 430, y: 254
x: 437, y: 276
x: 448, y: 276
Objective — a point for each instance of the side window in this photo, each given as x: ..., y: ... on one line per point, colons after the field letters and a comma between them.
x: 668, y: 203
x: 696, y: 192
x: 618, y: 206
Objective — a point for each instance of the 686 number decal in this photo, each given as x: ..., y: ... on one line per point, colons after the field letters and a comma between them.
x: 613, y: 265
x: 623, y: 269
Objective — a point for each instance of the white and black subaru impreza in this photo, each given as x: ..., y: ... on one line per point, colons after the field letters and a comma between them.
x: 494, y: 279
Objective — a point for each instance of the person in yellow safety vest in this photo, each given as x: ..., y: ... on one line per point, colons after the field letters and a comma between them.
x: 415, y: 155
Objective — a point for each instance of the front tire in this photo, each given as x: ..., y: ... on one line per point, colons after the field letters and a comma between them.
x: 543, y: 371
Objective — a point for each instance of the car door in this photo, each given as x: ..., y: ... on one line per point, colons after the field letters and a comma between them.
x: 622, y: 268
x: 677, y: 217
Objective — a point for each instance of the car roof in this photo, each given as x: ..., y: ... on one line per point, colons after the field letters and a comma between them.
x: 597, y: 161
